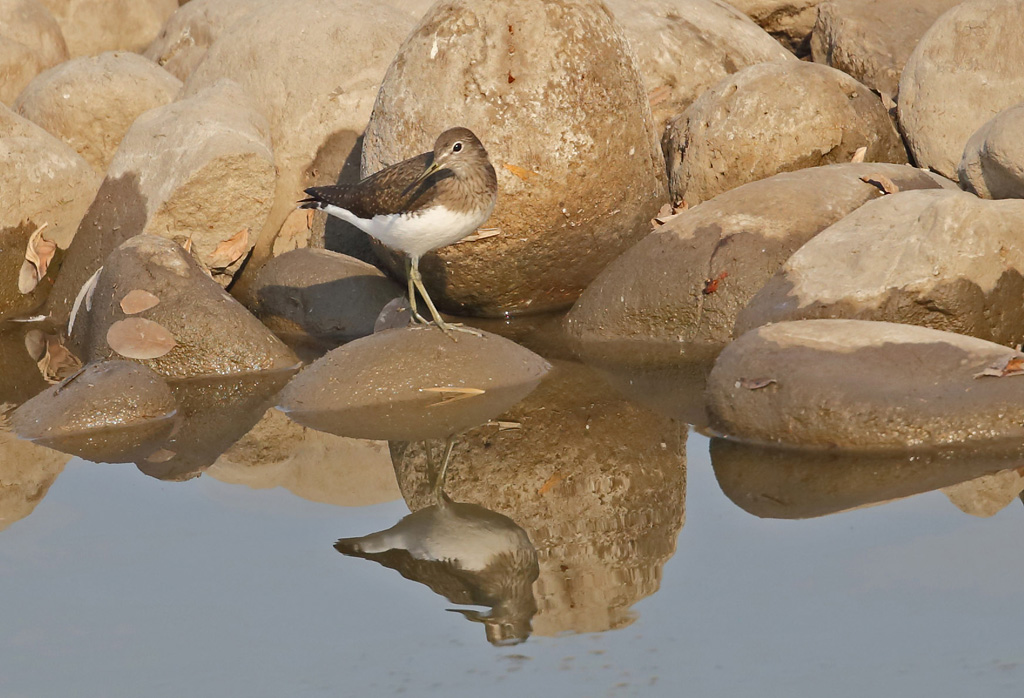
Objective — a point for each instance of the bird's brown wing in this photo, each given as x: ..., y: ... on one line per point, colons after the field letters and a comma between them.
x: 392, y: 190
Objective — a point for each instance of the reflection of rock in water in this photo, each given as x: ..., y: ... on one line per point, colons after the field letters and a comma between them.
x: 20, y: 378
x: 26, y: 473
x: 989, y: 494
x: 314, y: 465
x: 598, y: 483
x: 468, y: 554
x: 798, y: 484
x: 213, y: 413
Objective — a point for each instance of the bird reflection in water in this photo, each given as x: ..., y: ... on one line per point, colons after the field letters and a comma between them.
x: 466, y: 553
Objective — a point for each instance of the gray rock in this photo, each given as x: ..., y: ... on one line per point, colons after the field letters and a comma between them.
x: 861, y: 384
x: 213, y: 334
x: 320, y: 296
x: 94, y: 26
x: 871, y: 40
x: 789, y: 21
x: 770, y: 118
x: 108, y: 412
x: 941, y: 259
x: 992, y: 165
x: 90, y: 102
x: 684, y: 47
x: 30, y: 42
x: 411, y: 384
x: 661, y: 301
x: 954, y: 82
x: 555, y: 100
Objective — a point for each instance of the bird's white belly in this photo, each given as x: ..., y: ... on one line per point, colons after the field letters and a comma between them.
x: 415, y: 234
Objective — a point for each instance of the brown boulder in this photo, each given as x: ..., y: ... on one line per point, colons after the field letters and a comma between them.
x: 552, y: 91
x: 789, y: 21
x: 770, y: 118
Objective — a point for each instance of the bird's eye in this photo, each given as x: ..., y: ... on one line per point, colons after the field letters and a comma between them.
x: 457, y: 147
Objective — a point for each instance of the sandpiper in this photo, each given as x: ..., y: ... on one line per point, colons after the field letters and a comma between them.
x: 419, y: 204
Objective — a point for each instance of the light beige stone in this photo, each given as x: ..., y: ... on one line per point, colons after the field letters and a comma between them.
x: 789, y: 21
x: 30, y: 42
x: 94, y: 26
x: 26, y: 473
x: 992, y: 165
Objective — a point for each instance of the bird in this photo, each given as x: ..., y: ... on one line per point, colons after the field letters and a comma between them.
x: 420, y: 204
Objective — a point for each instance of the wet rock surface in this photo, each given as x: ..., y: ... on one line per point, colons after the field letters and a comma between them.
x: 684, y: 47
x: 940, y: 259
x: 412, y: 384
x: 871, y: 40
x: 315, y: 122
x: 105, y: 413
x: 770, y: 118
x: 30, y: 42
x: 90, y: 102
x: 94, y: 26
x: 598, y: 483
x: 992, y: 165
x: 211, y: 333
x: 944, y: 96
x: 682, y: 287
x: 860, y: 384
x: 547, y: 129
x: 776, y: 483
x: 789, y: 21
x: 314, y: 295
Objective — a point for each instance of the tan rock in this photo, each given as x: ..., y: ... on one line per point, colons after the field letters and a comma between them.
x: 311, y: 464
x: 90, y: 102
x: 952, y: 84
x: 30, y: 42
x: 789, y: 21
x: 871, y: 40
x: 94, y: 26
x: 987, y: 495
x: 684, y: 47
x: 315, y: 116
x: 771, y: 118
x: 26, y: 472
x: 555, y: 100
x: 992, y: 165
x: 941, y: 259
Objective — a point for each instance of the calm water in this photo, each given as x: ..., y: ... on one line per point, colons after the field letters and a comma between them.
x: 119, y: 584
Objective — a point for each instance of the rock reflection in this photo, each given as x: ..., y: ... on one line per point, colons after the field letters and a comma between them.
x: 314, y: 465
x: 26, y: 472
x: 987, y: 495
x: 798, y: 484
x: 597, y: 482
x: 466, y: 553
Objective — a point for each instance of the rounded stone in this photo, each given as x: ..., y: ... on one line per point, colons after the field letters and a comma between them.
x: 94, y: 26
x: 789, y: 21
x: 30, y: 42
x: 954, y: 82
x: 862, y: 384
x: 771, y: 118
x: 941, y: 259
x: 552, y: 91
x: 992, y: 165
x: 90, y: 102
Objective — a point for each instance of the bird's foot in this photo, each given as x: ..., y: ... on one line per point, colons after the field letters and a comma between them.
x: 449, y: 327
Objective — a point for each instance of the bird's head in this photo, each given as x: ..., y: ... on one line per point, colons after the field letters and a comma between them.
x: 458, y: 150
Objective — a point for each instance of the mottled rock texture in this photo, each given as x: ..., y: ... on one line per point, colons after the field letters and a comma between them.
x: 789, y: 21
x: 30, y: 42
x: 992, y: 165
x: 94, y: 26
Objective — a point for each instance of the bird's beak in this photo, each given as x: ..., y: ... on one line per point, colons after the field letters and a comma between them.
x: 434, y: 167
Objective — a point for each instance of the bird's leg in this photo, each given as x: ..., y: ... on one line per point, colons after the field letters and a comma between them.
x: 413, y: 263
x: 439, y: 478
x: 446, y: 327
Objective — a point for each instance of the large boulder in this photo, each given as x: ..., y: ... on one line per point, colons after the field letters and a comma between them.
x: 940, y: 259
x: 964, y: 71
x: 45, y: 189
x: 153, y: 303
x: 862, y: 384
x: 789, y: 21
x: 321, y: 297
x: 316, y: 116
x: 597, y: 482
x: 30, y: 42
x: 682, y: 287
x: 411, y: 384
x: 992, y: 165
x: 552, y: 91
x: 94, y: 26
x: 90, y: 102
x: 871, y: 40
x: 198, y: 171
x: 684, y: 47
x: 770, y: 118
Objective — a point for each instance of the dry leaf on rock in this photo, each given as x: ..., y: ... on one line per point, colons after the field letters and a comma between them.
x: 1014, y: 366
x: 858, y: 155
x: 56, y: 362
x: 161, y: 455
x: 231, y: 250
x: 882, y: 182
x: 520, y: 172
x: 755, y: 383
x: 137, y: 301
x: 138, y: 338
x: 453, y: 394
x: 38, y: 255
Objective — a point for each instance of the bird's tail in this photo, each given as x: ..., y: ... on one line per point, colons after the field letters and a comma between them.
x: 314, y: 200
